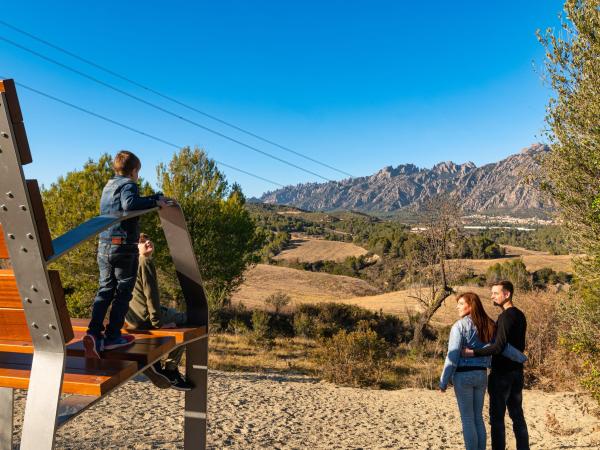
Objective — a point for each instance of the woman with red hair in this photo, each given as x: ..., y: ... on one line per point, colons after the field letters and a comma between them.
x: 474, y: 329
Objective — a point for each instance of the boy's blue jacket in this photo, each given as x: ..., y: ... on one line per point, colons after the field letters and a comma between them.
x: 122, y: 194
x: 464, y: 334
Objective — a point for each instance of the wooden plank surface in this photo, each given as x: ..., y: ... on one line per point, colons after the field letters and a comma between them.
x: 39, y: 215
x: 10, y: 91
x: 3, y: 249
x: 9, y: 294
x: 10, y: 299
x: 181, y: 334
x: 16, y: 118
x: 82, y: 376
x: 13, y: 325
x: 61, y: 305
x: 145, y: 349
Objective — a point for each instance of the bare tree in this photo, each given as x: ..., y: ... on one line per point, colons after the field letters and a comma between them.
x: 429, y: 274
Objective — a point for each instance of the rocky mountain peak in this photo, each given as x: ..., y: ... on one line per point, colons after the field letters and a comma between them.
x: 493, y: 188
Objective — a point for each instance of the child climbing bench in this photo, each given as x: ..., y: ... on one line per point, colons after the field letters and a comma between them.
x: 40, y: 345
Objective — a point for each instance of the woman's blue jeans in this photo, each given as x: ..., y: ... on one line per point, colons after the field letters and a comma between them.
x: 469, y: 388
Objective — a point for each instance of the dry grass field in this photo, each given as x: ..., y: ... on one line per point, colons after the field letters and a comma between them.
x: 313, y: 287
x: 302, y: 286
x: 307, y: 249
x: 533, y: 260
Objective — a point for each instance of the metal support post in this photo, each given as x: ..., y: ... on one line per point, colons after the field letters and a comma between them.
x: 39, y: 424
x: 196, y: 399
x: 6, y: 418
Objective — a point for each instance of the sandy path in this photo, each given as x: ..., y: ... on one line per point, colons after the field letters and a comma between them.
x: 249, y: 411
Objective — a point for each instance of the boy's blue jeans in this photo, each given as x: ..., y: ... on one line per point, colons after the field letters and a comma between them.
x: 118, y: 271
x: 469, y: 388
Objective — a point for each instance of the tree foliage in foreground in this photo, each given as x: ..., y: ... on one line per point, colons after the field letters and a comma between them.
x: 572, y: 169
x: 223, y: 234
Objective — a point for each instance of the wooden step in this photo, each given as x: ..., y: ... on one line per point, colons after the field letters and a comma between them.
x: 82, y: 376
x: 145, y: 350
x: 3, y: 249
x: 181, y: 334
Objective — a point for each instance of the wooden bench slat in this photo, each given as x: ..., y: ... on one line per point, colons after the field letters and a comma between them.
x: 39, y: 214
x: 15, y: 346
x: 9, y: 294
x: 13, y: 325
x: 86, y: 377
x: 61, y: 304
x: 3, y: 249
x: 10, y: 298
x: 8, y: 87
x: 181, y: 334
x: 16, y: 118
x: 145, y: 350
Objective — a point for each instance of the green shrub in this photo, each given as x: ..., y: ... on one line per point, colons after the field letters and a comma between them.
x: 324, y: 320
x: 514, y: 271
x: 261, y: 331
x: 237, y: 326
x: 358, y: 358
x: 278, y: 300
x: 304, y: 325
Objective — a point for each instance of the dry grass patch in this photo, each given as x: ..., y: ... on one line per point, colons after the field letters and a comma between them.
x: 533, y: 262
x: 302, y: 286
x: 240, y: 353
x: 300, y: 356
x: 305, y: 249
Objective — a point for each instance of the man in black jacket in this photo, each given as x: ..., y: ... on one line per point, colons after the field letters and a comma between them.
x: 505, y: 382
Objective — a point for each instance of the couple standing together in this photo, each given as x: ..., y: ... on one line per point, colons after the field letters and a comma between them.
x: 473, y: 340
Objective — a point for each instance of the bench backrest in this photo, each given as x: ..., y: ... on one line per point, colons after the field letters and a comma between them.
x: 32, y: 301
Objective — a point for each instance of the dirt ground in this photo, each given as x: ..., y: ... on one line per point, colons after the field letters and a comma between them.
x: 262, y: 411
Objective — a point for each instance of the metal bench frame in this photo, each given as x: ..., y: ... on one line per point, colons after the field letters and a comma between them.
x: 25, y: 247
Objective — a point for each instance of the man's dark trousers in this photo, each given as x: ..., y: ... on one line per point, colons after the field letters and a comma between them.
x: 506, y: 392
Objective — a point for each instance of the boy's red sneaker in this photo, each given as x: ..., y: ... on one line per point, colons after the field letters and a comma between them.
x: 122, y: 341
x: 92, y: 346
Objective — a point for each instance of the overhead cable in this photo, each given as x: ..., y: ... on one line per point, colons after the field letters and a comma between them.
x: 159, y: 108
x: 135, y: 130
x: 168, y: 97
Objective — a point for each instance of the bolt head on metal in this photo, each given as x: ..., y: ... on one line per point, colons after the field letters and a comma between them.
x: 52, y: 326
x: 11, y: 236
x: 3, y: 207
x: 23, y: 249
x: 33, y: 288
x: 30, y: 236
x: 34, y: 325
x: 23, y: 207
x: 47, y: 301
x: 27, y: 299
x: 47, y: 336
x: 4, y: 134
x: 10, y: 195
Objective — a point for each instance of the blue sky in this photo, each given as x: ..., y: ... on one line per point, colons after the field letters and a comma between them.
x: 356, y: 84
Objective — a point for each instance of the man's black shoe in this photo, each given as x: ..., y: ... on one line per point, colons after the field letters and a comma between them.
x: 157, y: 375
x: 177, y: 381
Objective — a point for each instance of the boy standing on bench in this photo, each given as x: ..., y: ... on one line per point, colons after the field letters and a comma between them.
x: 117, y: 256
x: 146, y: 312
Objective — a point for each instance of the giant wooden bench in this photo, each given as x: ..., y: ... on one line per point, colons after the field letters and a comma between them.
x: 40, y: 345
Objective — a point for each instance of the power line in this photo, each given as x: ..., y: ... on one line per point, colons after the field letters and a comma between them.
x: 160, y: 108
x: 135, y: 130
x: 168, y: 97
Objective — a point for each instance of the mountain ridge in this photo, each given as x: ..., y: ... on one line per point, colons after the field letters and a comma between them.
x: 494, y: 188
